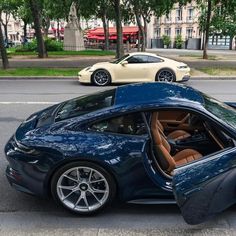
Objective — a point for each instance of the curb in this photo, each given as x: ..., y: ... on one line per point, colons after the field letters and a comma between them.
x: 75, y: 78
x: 213, y: 77
x: 38, y: 77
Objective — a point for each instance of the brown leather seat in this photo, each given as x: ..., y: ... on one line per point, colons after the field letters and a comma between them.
x: 175, y: 135
x: 162, y: 149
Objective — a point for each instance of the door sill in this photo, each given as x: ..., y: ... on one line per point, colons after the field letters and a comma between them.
x: 152, y: 201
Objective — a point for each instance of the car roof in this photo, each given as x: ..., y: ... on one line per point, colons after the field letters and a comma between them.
x: 157, y: 93
x: 142, y: 53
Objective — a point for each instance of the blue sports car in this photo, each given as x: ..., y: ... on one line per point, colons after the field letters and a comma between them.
x: 141, y: 143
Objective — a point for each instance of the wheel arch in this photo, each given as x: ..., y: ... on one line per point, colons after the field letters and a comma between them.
x: 47, y: 183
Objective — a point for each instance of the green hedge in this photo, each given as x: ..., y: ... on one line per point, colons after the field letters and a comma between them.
x: 51, y: 45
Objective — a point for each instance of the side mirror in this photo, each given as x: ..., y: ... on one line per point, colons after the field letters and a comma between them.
x: 123, y: 63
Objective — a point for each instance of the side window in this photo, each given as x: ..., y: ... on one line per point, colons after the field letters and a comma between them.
x: 137, y: 59
x: 154, y: 59
x: 131, y: 124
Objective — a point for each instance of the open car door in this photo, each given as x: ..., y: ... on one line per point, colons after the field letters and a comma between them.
x: 207, y: 186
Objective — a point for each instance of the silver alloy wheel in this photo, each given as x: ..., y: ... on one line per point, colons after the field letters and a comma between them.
x: 101, y: 77
x: 82, y: 189
x: 166, y: 75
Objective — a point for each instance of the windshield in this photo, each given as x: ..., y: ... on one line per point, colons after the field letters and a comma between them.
x: 221, y: 110
x: 119, y: 59
x: 86, y: 104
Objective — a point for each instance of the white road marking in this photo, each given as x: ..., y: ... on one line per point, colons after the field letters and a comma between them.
x: 29, y: 103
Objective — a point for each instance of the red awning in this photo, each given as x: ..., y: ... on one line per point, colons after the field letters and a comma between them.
x: 127, y: 30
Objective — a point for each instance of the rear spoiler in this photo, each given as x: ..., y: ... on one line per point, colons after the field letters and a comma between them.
x: 232, y: 104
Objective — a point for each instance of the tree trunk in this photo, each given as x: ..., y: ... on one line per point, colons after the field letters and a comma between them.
x: 106, y: 32
x: 5, y: 33
x: 139, y: 40
x: 145, y: 32
x: 141, y: 31
x: 231, y: 42
x: 46, y: 28
x: 5, y: 62
x: 58, y: 30
x: 25, y: 30
x: 207, y: 29
x: 42, y: 53
x: 119, y: 31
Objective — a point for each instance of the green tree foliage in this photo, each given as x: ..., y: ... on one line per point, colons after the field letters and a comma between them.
x: 223, y: 21
x: 8, y: 8
x: 217, y: 16
x: 143, y: 10
x: 178, y: 41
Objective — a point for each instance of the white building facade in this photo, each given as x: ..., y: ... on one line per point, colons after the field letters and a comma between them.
x: 183, y: 20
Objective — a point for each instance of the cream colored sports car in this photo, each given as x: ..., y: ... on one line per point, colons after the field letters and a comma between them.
x: 135, y: 67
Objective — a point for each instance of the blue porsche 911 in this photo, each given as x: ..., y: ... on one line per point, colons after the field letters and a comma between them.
x: 140, y: 143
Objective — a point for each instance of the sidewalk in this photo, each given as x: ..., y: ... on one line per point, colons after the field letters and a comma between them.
x: 197, y: 76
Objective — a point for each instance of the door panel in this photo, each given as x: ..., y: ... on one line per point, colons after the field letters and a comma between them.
x: 130, y: 72
x: 206, y: 187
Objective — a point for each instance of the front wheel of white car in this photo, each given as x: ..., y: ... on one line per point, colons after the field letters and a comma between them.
x: 101, y: 77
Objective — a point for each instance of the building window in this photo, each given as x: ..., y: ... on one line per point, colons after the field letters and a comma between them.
x: 178, y: 15
x: 168, y: 18
x: 158, y: 32
x: 189, y: 32
x: 167, y: 31
x: 190, y: 14
x: 178, y: 31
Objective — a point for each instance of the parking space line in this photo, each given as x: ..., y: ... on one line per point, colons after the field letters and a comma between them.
x: 29, y: 103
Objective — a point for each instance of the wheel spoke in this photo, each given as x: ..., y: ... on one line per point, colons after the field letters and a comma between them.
x: 67, y: 195
x: 96, y: 181
x: 90, y: 176
x: 98, y: 190
x: 86, y: 201
x: 95, y: 197
x: 66, y: 187
x: 79, y: 199
x: 68, y: 177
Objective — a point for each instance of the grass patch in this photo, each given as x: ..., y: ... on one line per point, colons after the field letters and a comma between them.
x: 65, y: 53
x: 219, y: 71
x: 39, y: 72
x: 197, y: 56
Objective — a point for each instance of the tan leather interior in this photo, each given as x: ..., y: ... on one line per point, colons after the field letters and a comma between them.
x: 162, y: 149
x: 174, y: 120
x: 175, y: 135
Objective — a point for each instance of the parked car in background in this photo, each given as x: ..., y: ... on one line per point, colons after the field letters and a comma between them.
x: 141, y: 143
x: 135, y: 67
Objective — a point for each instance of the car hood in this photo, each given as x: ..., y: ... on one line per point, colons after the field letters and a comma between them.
x: 36, y: 120
x: 101, y: 64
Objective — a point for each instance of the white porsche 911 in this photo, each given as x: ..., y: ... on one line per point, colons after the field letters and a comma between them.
x: 135, y: 67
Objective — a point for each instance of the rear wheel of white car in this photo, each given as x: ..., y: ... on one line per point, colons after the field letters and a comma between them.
x: 165, y: 75
x: 101, y: 77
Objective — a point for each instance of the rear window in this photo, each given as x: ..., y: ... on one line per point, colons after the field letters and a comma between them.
x: 86, y: 104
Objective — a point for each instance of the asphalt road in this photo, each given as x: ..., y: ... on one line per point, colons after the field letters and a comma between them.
x: 84, y: 62
x: 21, y: 214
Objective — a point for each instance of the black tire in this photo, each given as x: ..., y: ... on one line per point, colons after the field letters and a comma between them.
x: 101, y: 77
x: 96, y: 203
x: 165, y: 75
